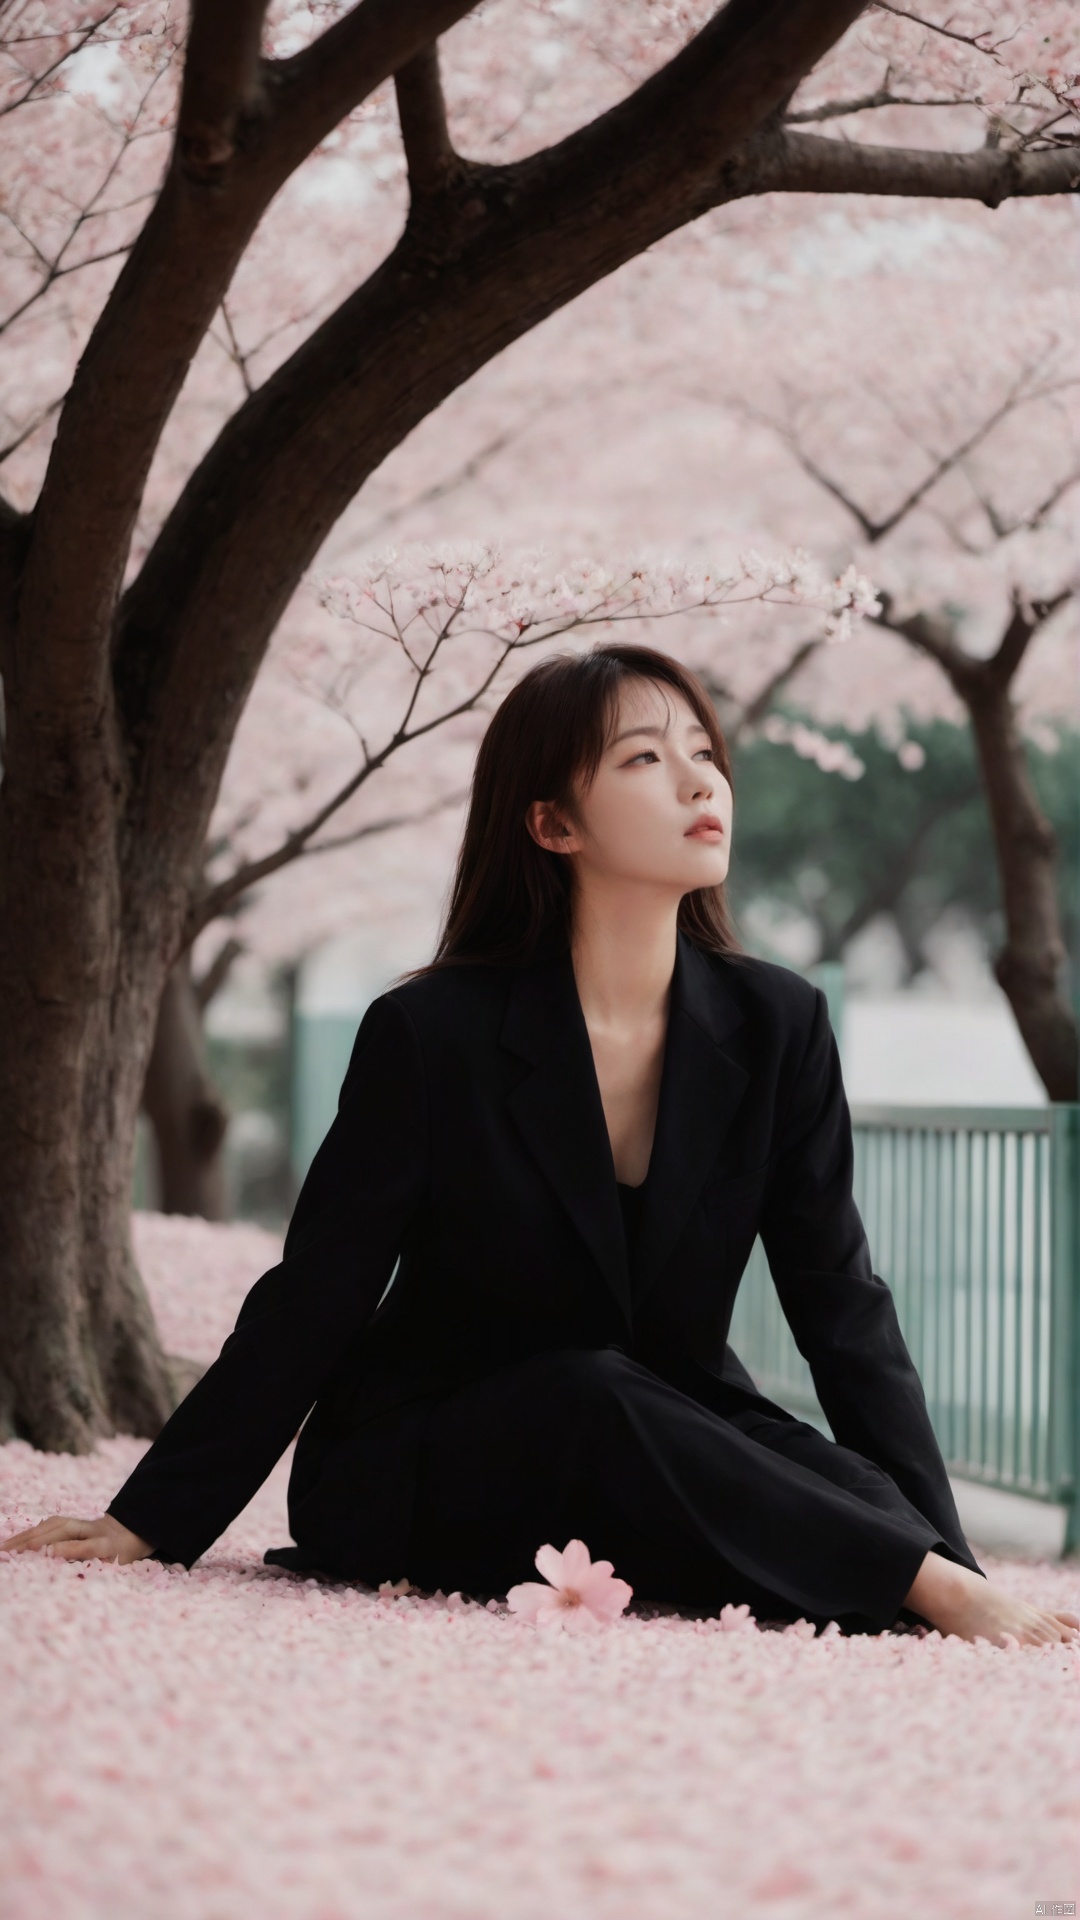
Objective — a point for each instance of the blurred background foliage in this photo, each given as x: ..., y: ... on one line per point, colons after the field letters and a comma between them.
x: 907, y: 843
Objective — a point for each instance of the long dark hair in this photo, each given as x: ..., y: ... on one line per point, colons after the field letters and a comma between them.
x: 511, y: 895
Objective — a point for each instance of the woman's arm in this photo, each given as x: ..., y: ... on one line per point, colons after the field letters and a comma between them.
x: 357, y: 1202
x: 842, y: 1315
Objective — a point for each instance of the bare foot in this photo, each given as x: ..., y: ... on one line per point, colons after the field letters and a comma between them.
x: 957, y: 1601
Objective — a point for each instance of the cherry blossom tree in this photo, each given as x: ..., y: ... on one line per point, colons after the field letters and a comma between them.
x: 961, y: 490
x: 1030, y: 962
x: 151, y: 538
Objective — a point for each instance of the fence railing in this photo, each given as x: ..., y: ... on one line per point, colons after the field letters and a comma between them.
x: 973, y: 1219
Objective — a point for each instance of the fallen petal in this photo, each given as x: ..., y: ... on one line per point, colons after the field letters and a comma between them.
x: 576, y: 1565
x: 549, y: 1562
x: 528, y: 1598
x: 609, y: 1600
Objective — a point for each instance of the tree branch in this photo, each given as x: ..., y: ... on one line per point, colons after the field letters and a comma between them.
x: 872, y: 529
x: 811, y: 163
x: 57, y: 267
x: 1027, y: 618
x: 228, y: 892
x: 875, y: 530
x: 883, y: 897
x: 862, y: 103
x: 460, y: 476
x: 222, y: 84
x: 976, y: 679
x: 429, y: 153
x: 767, y: 692
x: 235, y: 352
x: 1002, y: 528
x: 27, y: 433
x: 247, y: 125
x: 389, y: 824
x: 978, y: 41
x: 931, y: 633
x: 211, y: 982
x: 319, y: 86
x: 522, y: 241
x: 40, y: 81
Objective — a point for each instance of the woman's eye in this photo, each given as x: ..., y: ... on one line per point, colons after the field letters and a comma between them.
x: 648, y: 753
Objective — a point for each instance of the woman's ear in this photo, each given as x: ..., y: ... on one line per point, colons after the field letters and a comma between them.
x: 548, y: 828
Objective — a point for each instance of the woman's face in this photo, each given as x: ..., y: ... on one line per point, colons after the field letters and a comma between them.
x: 659, y: 810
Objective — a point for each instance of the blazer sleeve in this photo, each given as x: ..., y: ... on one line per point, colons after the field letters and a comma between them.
x: 363, y: 1189
x: 842, y: 1315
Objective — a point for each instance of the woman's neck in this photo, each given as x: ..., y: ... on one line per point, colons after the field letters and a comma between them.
x: 624, y: 958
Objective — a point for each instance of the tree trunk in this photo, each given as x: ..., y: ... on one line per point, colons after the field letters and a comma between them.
x: 1030, y: 964
x: 186, y: 1112
x: 886, y: 896
x: 80, y: 975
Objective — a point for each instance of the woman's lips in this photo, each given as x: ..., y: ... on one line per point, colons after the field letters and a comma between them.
x: 707, y: 828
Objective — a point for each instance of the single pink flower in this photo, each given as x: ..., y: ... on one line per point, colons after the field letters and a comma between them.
x: 581, y: 1593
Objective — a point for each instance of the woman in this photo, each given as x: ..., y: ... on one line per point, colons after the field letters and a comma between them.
x: 502, y: 1310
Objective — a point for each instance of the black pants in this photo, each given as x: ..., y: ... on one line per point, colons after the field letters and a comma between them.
x: 693, y: 1508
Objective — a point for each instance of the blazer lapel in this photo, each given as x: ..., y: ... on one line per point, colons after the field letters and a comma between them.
x: 700, y: 1091
x: 558, y: 1110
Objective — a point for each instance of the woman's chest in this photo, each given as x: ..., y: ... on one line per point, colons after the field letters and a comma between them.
x: 629, y: 1069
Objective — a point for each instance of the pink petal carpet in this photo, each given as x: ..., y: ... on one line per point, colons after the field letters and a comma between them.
x: 238, y: 1743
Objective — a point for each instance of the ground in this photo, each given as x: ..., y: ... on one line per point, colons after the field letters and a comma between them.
x: 237, y: 1743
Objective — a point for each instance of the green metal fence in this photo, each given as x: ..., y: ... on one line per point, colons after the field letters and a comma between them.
x: 973, y: 1219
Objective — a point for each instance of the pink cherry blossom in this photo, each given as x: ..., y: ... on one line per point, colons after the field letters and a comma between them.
x: 582, y: 1593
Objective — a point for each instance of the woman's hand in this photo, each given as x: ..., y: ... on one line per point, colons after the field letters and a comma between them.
x: 62, y: 1538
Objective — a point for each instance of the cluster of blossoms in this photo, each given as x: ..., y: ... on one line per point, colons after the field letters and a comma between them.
x: 1014, y: 64
x: 524, y: 598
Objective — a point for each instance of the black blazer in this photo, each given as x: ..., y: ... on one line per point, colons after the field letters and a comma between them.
x: 470, y: 1146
